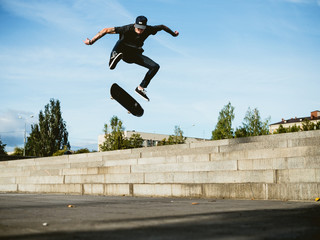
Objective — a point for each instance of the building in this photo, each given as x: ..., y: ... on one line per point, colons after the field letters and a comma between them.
x: 314, y: 117
x: 149, y: 139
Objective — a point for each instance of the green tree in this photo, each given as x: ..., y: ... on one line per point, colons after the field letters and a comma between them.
x: 252, y: 125
x: 281, y: 129
x: 2, y: 148
x: 163, y: 142
x: 115, y: 139
x: 17, y: 151
x: 223, y: 129
x: 176, y: 138
x: 60, y: 152
x: 82, y: 150
x: 50, y: 135
x: 307, y: 125
x: 135, y: 141
x: 294, y: 128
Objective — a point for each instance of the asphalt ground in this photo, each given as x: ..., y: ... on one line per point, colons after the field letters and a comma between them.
x: 35, y: 216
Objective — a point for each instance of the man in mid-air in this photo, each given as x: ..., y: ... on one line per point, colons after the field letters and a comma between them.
x: 129, y: 47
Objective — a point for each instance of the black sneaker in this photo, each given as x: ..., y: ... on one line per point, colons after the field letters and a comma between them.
x: 142, y: 93
x: 114, y: 59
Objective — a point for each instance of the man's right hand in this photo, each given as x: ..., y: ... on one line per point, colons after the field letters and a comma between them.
x: 87, y: 41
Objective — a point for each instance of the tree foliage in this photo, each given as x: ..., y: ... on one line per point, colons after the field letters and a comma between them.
x: 2, y: 148
x: 176, y: 138
x: 115, y: 140
x: 135, y: 141
x: 307, y: 125
x: 17, y: 151
x: 223, y: 129
x: 252, y: 125
x: 50, y: 135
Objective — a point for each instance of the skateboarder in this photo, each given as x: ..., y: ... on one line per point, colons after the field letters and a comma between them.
x: 129, y: 47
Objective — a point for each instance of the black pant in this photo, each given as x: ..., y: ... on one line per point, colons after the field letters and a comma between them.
x: 131, y: 55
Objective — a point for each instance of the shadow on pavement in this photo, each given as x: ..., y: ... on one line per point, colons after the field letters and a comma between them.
x: 300, y: 223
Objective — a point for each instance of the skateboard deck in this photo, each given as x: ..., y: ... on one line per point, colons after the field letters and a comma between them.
x: 125, y: 99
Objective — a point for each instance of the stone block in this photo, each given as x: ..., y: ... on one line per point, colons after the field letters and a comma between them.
x: 51, y: 160
x: 257, y: 176
x: 186, y: 190
x: 88, y: 164
x: 312, y: 161
x: 93, y: 189
x: 114, y: 169
x: 235, y: 190
x: 20, y: 163
x: 152, y: 190
x: 80, y: 171
x: 51, y: 188
x: 89, y: 178
x: 40, y: 180
x: 8, y: 187
x: 120, y: 162
x: 157, y: 160
x: 117, y: 190
x: 44, y: 172
x: 296, y: 162
x: 159, y: 178
x: 124, y: 178
x: 293, y: 191
x: 193, y: 158
x: 191, y: 177
x: 12, y: 172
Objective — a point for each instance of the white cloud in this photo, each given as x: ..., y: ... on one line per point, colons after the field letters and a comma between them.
x: 44, y: 12
x: 74, y: 17
x: 12, y: 127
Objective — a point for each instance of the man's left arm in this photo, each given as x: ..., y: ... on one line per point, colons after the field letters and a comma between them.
x: 168, y: 30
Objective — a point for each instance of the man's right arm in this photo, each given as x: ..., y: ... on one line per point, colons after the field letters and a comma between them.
x: 100, y: 35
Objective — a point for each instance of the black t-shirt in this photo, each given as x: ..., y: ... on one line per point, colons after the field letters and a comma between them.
x: 130, y: 38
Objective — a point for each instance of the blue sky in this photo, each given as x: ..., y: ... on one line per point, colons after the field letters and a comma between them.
x: 256, y: 53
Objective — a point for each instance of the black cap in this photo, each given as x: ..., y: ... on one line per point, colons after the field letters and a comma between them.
x: 141, y: 22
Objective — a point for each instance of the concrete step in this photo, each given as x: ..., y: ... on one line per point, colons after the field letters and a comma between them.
x: 307, y: 175
x: 234, y: 146
x: 285, y: 166
x: 266, y: 191
x: 286, y: 158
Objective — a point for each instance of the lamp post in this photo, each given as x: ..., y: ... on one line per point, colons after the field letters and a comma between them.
x: 25, y: 134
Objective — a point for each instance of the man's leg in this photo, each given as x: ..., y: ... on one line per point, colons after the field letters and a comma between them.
x: 153, y: 69
x: 115, y: 56
x: 151, y: 65
x: 143, y: 61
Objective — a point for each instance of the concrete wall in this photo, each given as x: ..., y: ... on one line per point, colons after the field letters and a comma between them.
x: 282, y: 167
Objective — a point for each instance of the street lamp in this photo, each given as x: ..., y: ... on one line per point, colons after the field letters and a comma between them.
x: 25, y: 134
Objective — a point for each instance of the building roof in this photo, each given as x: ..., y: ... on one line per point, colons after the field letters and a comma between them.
x: 300, y: 119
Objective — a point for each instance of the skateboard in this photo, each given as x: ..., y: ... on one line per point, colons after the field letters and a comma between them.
x: 125, y: 99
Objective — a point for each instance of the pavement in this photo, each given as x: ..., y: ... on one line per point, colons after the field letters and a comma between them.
x: 36, y: 216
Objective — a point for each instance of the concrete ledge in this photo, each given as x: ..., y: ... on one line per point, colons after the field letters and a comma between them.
x: 51, y: 188
x: 185, y: 167
x: 40, y: 180
x: 293, y: 191
x: 8, y: 187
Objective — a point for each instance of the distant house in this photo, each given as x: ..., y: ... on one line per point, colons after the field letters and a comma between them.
x: 314, y: 117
